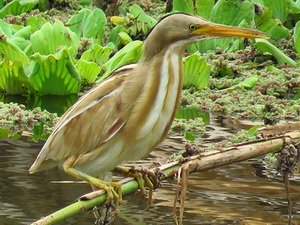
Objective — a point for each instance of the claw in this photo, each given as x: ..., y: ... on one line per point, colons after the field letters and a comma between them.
x: 142, y: 176
x: 109, y: 187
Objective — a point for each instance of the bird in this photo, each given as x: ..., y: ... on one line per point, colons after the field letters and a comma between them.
x: 128, y: 114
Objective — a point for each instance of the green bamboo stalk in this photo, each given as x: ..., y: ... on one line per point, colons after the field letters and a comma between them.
x: 200, y: 162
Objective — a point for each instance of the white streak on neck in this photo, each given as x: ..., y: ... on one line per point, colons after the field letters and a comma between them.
x: 157, y: 112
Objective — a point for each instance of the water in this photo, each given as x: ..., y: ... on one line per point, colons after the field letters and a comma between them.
x: 242, y: 193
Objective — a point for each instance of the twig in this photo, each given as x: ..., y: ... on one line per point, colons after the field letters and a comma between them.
x: 195, y: 163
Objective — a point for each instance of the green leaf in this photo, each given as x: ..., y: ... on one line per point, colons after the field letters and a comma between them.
x: 238, y: 13
x: 11, y: 51
x: 119, y: 20
x: 114, y: 36
x: 88, y: 70
x: 191, y: 114
x: 13, y: 79
x: 279, y: 8
x: 85, y: 3
x: 296, y: 37
x: 51, y: 38
x: 89, y: 24
x: 97, y: 54
x: 4, y: 133
x: 186, y: 6
x: 137, y: 12
x: 130, y: 53
x: 253, y: 130
x: 6, y: 28
x: 16, y: 7
x: 22, y: 36
x: 204, y: 7
x: 189, y: 136
x: 125, y: 38
x: 196, y: 71
x: 265, y: 22
x: 54, y: 75
x: 142, y: 22
x: 199, y: 7
x: 264, y: 45
x: 36, y: 22
x: 248, y: 83
x: 38, y: 132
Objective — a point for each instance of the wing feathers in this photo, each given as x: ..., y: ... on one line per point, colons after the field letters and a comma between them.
x: 94, y: 119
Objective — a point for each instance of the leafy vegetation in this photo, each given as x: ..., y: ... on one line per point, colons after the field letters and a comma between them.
x: 48, y: 51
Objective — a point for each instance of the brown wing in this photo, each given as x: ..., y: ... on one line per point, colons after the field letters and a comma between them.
x: 93, y: 119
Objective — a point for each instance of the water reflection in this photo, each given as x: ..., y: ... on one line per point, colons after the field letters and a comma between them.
x: 243, y: 193
x: 52, y: 103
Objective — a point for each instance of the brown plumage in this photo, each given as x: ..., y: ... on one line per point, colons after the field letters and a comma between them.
x: 127, y: 115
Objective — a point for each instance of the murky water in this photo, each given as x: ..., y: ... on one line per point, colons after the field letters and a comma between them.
x: 243, y: 193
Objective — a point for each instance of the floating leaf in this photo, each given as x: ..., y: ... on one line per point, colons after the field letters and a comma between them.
x: 265, y: 22
x: 237, y: 13
x: 204, y: 7
x: 4, y: 133
x: 137, y: 12
x: 97, y: 54
x: 196, y: 71
x: 143, y: 23
x: 87, y: 70
x: 11, y: 51
x: 13, y: 79
x: 89, y: 24
x: 114, y: 36
x: 248, y: 83
x: 36, y: 22
x: 198, y: 7
x: 22, y: 37
x: 186, y: 6
x: 130, y: 53
x: 266, y: 46
x: 279, y: 8
x: 189, y: 136
x: 6, y: 28
x: 296, y: 37
x: 16, y: 7
x: 54, y: 75
x: 192, y: 113
x: 125, y: 38
x: 118, y: 20
x: 53, y: 37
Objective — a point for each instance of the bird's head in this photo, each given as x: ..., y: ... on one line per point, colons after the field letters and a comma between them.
x: 184, y: 29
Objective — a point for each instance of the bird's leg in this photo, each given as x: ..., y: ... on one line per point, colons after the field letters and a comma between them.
x: 142, y: 176
x: 107, y: 186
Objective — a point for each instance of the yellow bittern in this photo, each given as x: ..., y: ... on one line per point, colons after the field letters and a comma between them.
x: 127, y: 115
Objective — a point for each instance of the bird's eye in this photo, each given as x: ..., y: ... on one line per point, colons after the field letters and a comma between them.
x: 193, y: 27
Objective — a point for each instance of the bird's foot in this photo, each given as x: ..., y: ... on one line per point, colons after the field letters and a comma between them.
x: 144, y: 178
x: 112, y: 194
x: 113, y: 190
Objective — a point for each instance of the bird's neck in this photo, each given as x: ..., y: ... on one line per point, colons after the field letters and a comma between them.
x: 163, y: 84
x: 156, y: 46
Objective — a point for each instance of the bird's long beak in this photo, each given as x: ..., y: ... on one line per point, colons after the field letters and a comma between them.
x: 220, y: 30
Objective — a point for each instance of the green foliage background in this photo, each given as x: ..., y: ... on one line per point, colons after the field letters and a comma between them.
x: 46, y: 51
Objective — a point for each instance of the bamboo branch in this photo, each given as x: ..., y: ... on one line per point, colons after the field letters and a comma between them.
x: 200, y: 162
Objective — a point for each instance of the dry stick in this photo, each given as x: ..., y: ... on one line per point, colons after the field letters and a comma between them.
x: 203, y: 161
